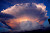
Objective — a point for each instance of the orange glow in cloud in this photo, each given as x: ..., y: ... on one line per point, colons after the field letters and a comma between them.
x: 26, y: 18
x: 16, y: 22
x: 21, y: 19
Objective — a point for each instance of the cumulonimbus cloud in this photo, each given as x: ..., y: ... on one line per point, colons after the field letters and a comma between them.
x: 26, y: 12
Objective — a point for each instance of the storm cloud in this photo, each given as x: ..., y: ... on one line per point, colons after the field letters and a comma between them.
x: 26, y: 14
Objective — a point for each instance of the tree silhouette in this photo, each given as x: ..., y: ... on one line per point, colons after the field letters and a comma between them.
x: 49, y: 21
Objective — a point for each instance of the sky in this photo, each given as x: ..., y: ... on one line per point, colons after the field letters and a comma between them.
x: 6, y: 4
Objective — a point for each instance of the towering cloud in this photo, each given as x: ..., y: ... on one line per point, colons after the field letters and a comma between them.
x: 26, y: 14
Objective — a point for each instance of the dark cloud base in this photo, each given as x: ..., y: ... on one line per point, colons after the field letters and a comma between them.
x: 3, y: 15
x: 33, y: 31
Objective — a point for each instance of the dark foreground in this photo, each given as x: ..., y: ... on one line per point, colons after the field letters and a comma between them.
x: 40, y: 30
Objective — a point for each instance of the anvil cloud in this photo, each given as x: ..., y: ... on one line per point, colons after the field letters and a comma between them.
x: 26, y: 14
